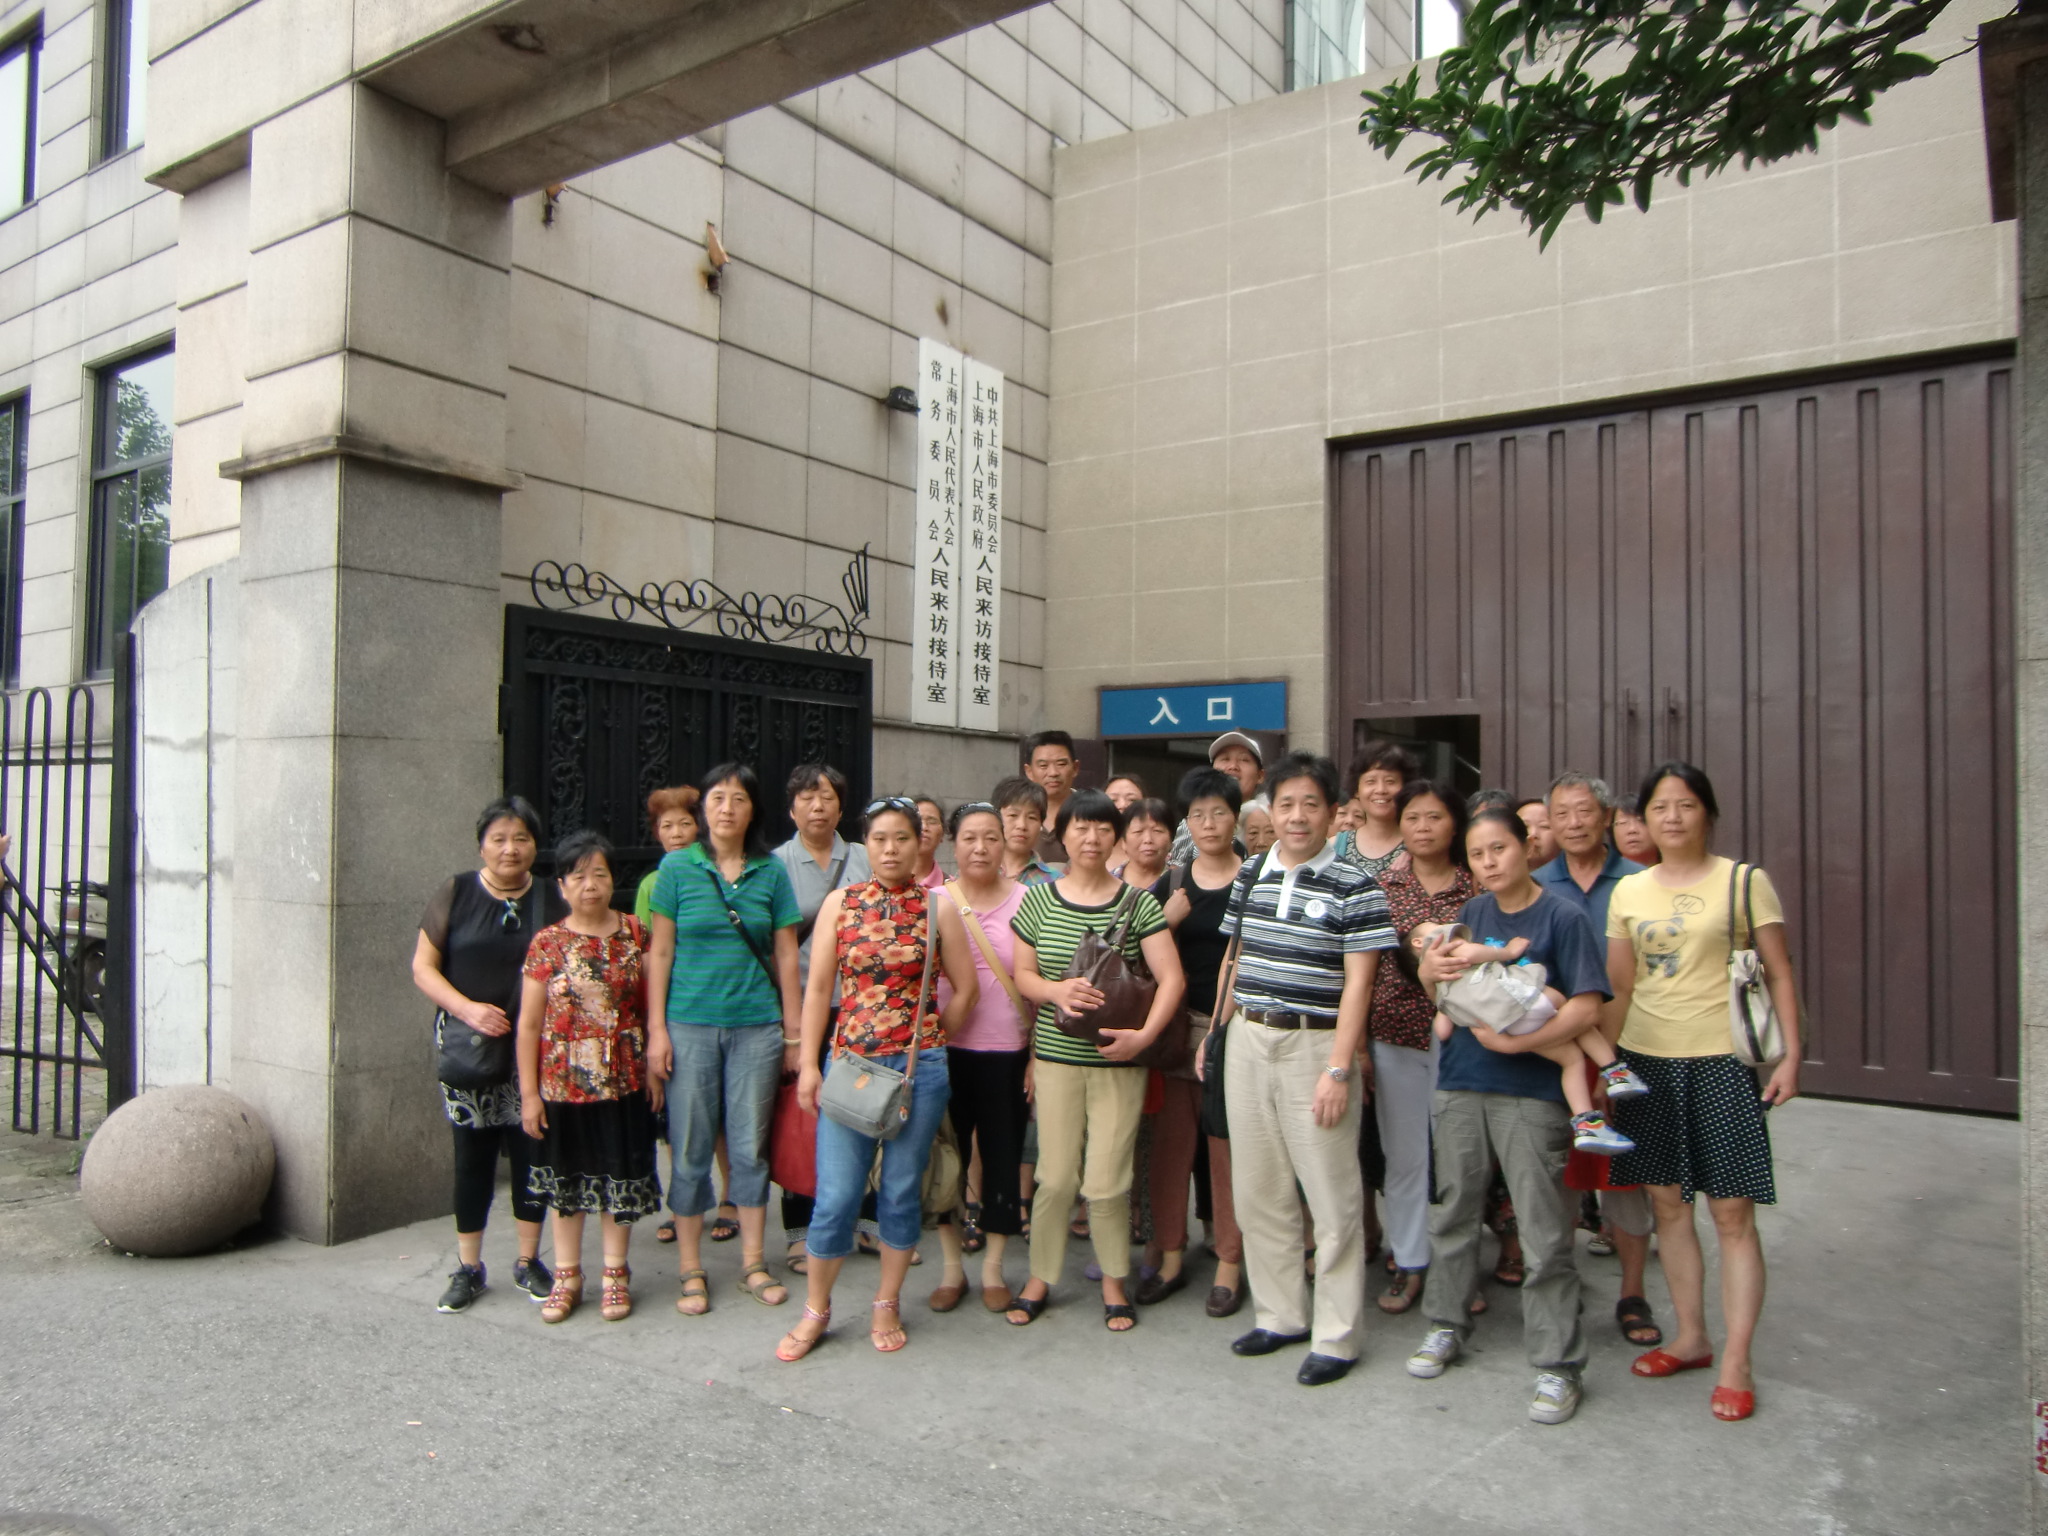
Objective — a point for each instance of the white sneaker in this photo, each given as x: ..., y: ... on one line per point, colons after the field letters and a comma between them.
x: 1438, y: 1351
x: 1592, y: 1133
x: 1557, y: 1398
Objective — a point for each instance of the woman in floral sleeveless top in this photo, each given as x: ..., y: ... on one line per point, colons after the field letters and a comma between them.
x: 584, y: 1090
x: 873, y: 969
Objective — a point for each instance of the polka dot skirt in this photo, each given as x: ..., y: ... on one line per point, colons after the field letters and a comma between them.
x: 1701, y: 1128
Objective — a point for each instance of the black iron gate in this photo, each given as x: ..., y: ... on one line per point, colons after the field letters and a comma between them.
x: 66, y: 802
x: 598, y: 713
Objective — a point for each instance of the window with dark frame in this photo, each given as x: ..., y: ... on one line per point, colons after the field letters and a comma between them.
x: 13, y: 491
x: 18, y: 122
x: 128, y: 557
x: 127, y: 68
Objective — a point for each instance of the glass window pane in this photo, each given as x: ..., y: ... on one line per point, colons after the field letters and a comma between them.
x: 138, y: 412
x: 10, y: 418
x: 1439, y: 25
x: 152, y: 533
x: 136, y: 57
x: 14, y: 119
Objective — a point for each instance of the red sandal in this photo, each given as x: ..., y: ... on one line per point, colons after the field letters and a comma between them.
x: 1661, y: 1362
x: 1732, y: 1405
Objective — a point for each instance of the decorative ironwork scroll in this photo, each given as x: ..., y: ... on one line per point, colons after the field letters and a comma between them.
x: 683, y: 605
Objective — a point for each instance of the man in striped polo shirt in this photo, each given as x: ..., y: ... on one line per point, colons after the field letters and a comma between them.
x: 1309, y: 930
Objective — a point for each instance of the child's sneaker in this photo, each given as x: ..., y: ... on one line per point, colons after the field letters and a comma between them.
x: 1622, y: 1083
x: 1592, y: 1133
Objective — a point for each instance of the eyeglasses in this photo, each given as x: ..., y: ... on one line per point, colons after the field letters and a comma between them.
x: 976, y: 807
x: 508, y: 920
x: 893, y: 803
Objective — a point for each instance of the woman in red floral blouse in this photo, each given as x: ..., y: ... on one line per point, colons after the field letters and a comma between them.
x: 1430, y: 888
x: 584, y: 1090
x: 879, y: 955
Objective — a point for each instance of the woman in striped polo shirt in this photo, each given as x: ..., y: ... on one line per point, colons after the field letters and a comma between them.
x: 1088, y: 1096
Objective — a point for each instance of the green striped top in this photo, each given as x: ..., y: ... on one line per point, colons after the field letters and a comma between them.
x: 1053, y: 926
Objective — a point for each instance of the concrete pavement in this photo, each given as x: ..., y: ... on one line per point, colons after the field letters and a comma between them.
x: 289, y: 1388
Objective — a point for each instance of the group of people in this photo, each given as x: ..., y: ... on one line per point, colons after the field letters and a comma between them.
x: 1287, y: 964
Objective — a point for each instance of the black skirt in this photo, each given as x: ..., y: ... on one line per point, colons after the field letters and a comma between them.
x: 598, y: 1157
x: 1701, y: 1127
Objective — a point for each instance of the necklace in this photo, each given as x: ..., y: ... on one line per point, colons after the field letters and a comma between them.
x: 500, y: 891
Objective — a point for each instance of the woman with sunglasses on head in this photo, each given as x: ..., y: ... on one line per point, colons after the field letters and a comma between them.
x: 722, y: 1021
x: 1090, y: 1096
x: 472, y: 943
x: 878, y: 965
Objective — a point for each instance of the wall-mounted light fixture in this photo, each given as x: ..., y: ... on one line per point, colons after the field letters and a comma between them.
x: 902, y: 398
x: 715, y: 258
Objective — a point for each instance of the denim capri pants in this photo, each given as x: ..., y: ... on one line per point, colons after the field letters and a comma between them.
x: 724, y: 1080
x: 845, y: 1158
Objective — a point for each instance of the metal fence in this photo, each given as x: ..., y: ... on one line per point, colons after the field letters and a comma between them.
x: 65, y: 802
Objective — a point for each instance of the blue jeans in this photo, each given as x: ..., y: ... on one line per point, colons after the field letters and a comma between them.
x: 724, y: 1080
x: 845, y: 1158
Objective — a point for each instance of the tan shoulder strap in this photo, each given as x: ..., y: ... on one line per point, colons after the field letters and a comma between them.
x: 982, y: 943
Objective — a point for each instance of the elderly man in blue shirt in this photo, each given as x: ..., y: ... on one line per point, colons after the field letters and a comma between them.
x: 1585, y: 872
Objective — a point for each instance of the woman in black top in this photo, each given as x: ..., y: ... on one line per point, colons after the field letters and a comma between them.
x: 1197, y: 899
x: 472, y: 944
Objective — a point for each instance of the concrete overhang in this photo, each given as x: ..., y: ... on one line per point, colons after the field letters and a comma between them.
x: 541, y: 90
x: 2004, y: 48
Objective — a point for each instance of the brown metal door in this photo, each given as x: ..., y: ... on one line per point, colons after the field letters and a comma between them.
x: 1804, y: 588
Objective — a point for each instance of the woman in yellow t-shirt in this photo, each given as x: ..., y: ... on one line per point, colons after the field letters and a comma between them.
x: 1701, y: 1128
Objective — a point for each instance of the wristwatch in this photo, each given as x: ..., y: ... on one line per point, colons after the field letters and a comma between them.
x: 1338, y: 1074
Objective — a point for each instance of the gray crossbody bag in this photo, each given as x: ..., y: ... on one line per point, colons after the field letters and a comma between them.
x: 874, y: 1099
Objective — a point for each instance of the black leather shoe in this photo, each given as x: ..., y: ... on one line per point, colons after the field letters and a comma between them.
x: 1261, y: 1341
x: 1318, y: 1370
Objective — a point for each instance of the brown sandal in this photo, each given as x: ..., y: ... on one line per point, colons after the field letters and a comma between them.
x: 701, y: 1296
x: 1403, y: 1292
x: 617, y: 1302
x: 768, y: 1283
x: 562, y: 1300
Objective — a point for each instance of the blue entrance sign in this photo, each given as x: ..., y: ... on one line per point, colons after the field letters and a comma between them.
x: 1197, y: 709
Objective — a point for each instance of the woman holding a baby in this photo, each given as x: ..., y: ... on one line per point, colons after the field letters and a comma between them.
x: 1499, y: 1096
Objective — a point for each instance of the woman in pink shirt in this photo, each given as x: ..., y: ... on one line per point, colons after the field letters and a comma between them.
x: 988, y: 1054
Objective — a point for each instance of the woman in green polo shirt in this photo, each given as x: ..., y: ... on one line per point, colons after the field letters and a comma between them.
x: 722, y: 1024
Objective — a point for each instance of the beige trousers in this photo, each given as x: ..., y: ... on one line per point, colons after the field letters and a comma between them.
x: 1269, y: 1084
x: 1096, y: 1108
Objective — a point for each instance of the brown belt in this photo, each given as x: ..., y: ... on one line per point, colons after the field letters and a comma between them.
x: 1279, y: 1018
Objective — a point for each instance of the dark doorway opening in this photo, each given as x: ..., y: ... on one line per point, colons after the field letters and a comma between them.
x: 1447, y: 744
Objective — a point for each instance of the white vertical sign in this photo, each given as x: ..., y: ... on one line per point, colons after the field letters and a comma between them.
x: 981, y: 646
x: 937, y: 585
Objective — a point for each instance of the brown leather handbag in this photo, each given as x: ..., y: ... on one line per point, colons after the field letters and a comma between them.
x: 1127, y: 989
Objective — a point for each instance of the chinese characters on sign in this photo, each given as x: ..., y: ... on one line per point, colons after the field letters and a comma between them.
x: 958, y: 581
x: 981, y: 435
x: 1193, y: 709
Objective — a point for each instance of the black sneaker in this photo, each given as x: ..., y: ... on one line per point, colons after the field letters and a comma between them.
x: 464, y: 1286
x: 534, y: 1278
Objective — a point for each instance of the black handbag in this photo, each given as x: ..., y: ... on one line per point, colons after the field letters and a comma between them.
x: 468, y: 1058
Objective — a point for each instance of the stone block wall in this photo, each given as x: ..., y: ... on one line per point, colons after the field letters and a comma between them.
x: 1233, y: 292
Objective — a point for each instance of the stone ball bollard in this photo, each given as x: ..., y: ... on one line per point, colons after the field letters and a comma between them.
x: 178, y: 1170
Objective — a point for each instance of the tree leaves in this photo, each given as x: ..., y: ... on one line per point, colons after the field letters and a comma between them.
x: 1551, y: 105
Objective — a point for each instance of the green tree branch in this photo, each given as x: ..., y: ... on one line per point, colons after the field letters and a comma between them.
x: 1551, y: 105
